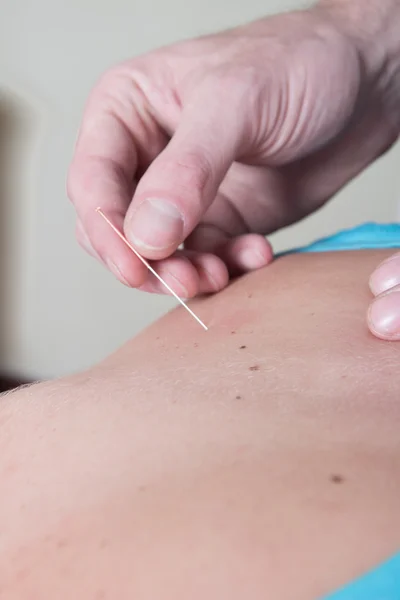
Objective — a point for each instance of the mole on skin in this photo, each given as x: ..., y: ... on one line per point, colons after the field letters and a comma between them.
x: 337, y: 479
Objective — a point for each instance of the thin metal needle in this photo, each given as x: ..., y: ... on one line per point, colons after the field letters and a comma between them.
x: 144, y: 261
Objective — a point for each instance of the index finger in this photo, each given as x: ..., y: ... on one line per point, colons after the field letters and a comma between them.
x: 103, y: 172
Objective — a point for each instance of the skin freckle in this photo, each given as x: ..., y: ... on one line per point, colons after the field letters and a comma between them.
x: 337, y: 479
x: 254, y: 368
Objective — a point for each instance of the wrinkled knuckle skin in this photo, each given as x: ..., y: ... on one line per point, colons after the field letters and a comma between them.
x: 193, y: 171
x: 198, y: 168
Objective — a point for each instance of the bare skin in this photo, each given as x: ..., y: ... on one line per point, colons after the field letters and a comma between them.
x: 262, y: 456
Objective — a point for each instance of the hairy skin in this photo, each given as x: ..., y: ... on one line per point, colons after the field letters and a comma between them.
x: 241, y: 133
x: 260, y: 457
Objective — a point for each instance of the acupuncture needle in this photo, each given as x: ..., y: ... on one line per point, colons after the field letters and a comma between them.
x: 150, y: 268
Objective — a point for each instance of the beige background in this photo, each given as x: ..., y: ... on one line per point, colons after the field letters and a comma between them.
x: 60, y: 311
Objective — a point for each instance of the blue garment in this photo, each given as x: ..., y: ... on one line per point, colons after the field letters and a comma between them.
x: 383, y: 583
x: 367, y: 236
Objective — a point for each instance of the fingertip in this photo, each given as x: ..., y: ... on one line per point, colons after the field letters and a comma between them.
x: 383, y: 316
x: 247, y: 253
x: 251, y: 259
x: 386, y: 275
x: 213, y: 273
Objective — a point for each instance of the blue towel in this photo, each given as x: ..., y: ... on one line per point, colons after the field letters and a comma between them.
x: 367, y: 236
x: 381, y: 584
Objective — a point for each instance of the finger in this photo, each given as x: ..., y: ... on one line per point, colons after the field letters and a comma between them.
x: 241, y: 254
x: 83, y: 240
x: 85, y: 243
x: 384, y: 315
x: 183, y: 180
x: 246, y: 253
x: 189, y: 274
x: 97, y: 180
x: 386, y: 276
x: 102, y: 173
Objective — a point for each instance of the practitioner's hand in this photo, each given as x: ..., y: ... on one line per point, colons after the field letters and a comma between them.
x: 217, y: 142
x: 384, y: 311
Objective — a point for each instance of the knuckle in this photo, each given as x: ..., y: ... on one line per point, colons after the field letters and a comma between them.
x: 106, y: 81
x: 195, y: 170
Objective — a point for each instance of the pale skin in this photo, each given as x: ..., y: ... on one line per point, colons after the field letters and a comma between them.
x: 259, y: 458
x: 384, y: 311
x: 216, y: 142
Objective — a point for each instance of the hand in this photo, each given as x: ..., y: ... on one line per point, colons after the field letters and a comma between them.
x: 217, y: 142
x: 384, y: 311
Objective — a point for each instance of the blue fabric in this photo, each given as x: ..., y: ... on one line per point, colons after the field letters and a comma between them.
x: 369, y: 235
x: 383, y: 583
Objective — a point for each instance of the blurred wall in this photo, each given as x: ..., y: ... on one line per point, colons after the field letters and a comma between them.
x: 59, y: 310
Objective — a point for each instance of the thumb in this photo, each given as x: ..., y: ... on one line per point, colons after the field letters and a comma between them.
x: 183, y: 180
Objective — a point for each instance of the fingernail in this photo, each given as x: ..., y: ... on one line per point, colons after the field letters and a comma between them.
x: 386, y: 276
x: 251, y: 259
x: 384, y: 316
x: 156, y: 225
x: 116, y: 271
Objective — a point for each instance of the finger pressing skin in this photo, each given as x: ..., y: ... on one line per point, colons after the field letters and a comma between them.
x: 386, y: 276
x: 384, y: 315
x: 246, y: 253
